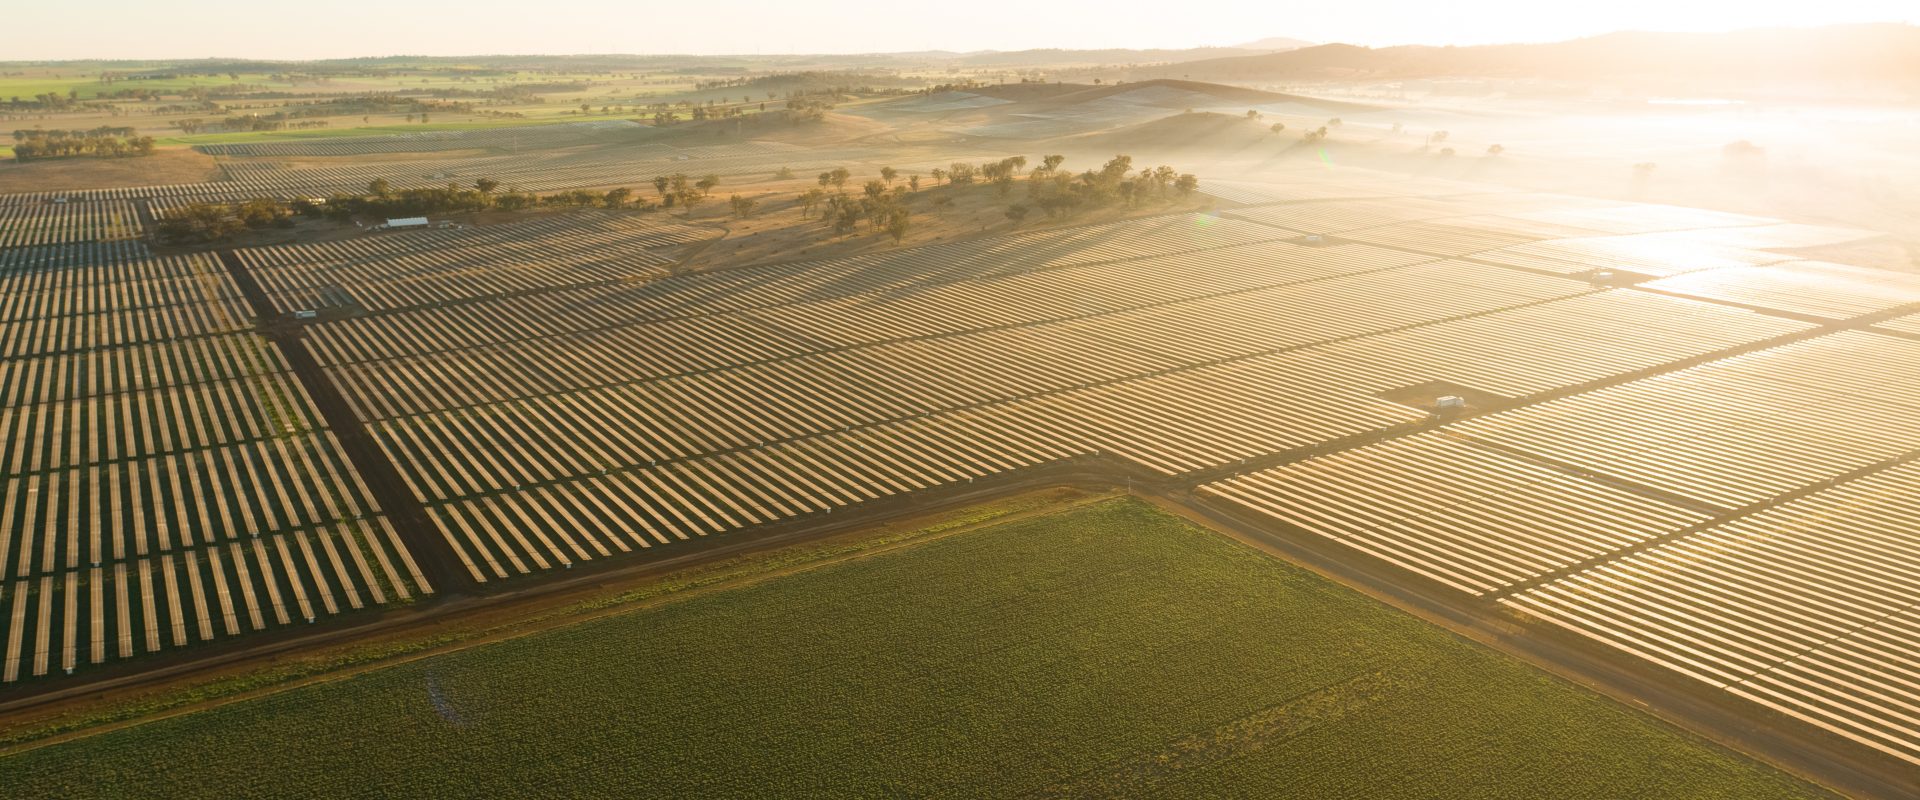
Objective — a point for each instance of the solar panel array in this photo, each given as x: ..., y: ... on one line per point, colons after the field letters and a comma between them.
x: 1710, y: 469
x: 164, y: 480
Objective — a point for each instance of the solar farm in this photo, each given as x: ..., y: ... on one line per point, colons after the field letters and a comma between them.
x: 1679, y: 441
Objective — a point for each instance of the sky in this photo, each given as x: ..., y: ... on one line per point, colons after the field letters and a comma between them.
x: 303, y: 30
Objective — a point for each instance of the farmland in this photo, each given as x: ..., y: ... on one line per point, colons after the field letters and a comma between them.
x: 1067, y: 642
x: 1671, y: 421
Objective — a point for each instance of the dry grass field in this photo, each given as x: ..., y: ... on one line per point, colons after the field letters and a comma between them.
x: 161, y: 169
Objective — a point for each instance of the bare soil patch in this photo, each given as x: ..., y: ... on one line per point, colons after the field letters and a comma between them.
x: 163, y: 167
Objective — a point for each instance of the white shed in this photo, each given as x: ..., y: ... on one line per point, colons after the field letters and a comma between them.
x: 407, y: 222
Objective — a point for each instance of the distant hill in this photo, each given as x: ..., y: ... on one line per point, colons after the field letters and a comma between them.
x: 1161, y: 92
x: 1886, y: 54
x: 1037, y: 111
x: 1201, y: 130
x: 1274, y: 43
x: 1056, y: 57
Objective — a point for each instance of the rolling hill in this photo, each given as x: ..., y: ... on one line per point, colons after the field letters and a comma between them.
x: 1886, y: 54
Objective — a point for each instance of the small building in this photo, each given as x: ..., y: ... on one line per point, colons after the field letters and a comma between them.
x: 407, y: 222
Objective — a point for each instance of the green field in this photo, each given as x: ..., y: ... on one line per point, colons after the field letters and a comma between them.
x: 383, y: 130
x: 1111, y: 650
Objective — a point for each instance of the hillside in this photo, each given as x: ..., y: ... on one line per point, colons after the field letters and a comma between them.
x: 1201, y: 130
x: 1031, y: 111
x: 1274, y: 43
x: 1882, y: 54
x: 1162, y: 93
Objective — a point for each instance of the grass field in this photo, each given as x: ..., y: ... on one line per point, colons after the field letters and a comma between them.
x: 1110, y: 650
x: 378, y: 130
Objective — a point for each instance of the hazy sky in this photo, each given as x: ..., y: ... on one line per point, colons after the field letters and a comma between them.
x: 297, y: 30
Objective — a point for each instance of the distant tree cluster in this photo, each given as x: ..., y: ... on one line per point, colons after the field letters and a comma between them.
x: 45, y: 101
x: 381, y: 200
x: 1061, y: 194
x: 881, y: 205
x: 680, y: 190
x: 809, y: 109
x: 201, y: 223
x: 104, y: 142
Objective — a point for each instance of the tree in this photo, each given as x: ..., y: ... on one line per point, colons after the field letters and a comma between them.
x: 1052, y: 163
x: 200, y: 222
x: 706, y: 184
x: 1016, y: 212
x: 846, y: 214
x: 742, y: 206
x: 486, y: 185
x: 1252, y: 114
x: 898, y: 223
x: 1185, y: 184
x: 379, y: 187
x: 888, y: 174
x: 874, y: 189
x: 838, y: 177
x: 913, y: 182
x: 784, y: 174
x: 261, y: 213
x: 1277, y: 127
x: 1495, y: 149
x: 616, y: 198
x: 1335, y: 122
x: 939, y: 176
x: 660, y: 184
x: 809, y: 199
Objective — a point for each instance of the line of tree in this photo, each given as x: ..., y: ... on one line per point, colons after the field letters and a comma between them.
x: 202, y: 223
x: 680, y: 190
x: 382, y: 200
x: 882, y: 205
x: 37, y: 144
x: 1061, y: 194
x: 77, y: 133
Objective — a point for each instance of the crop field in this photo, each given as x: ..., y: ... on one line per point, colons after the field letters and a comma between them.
x: 506, y: 136
x: 1068, y: 645
x: 165, y: 479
